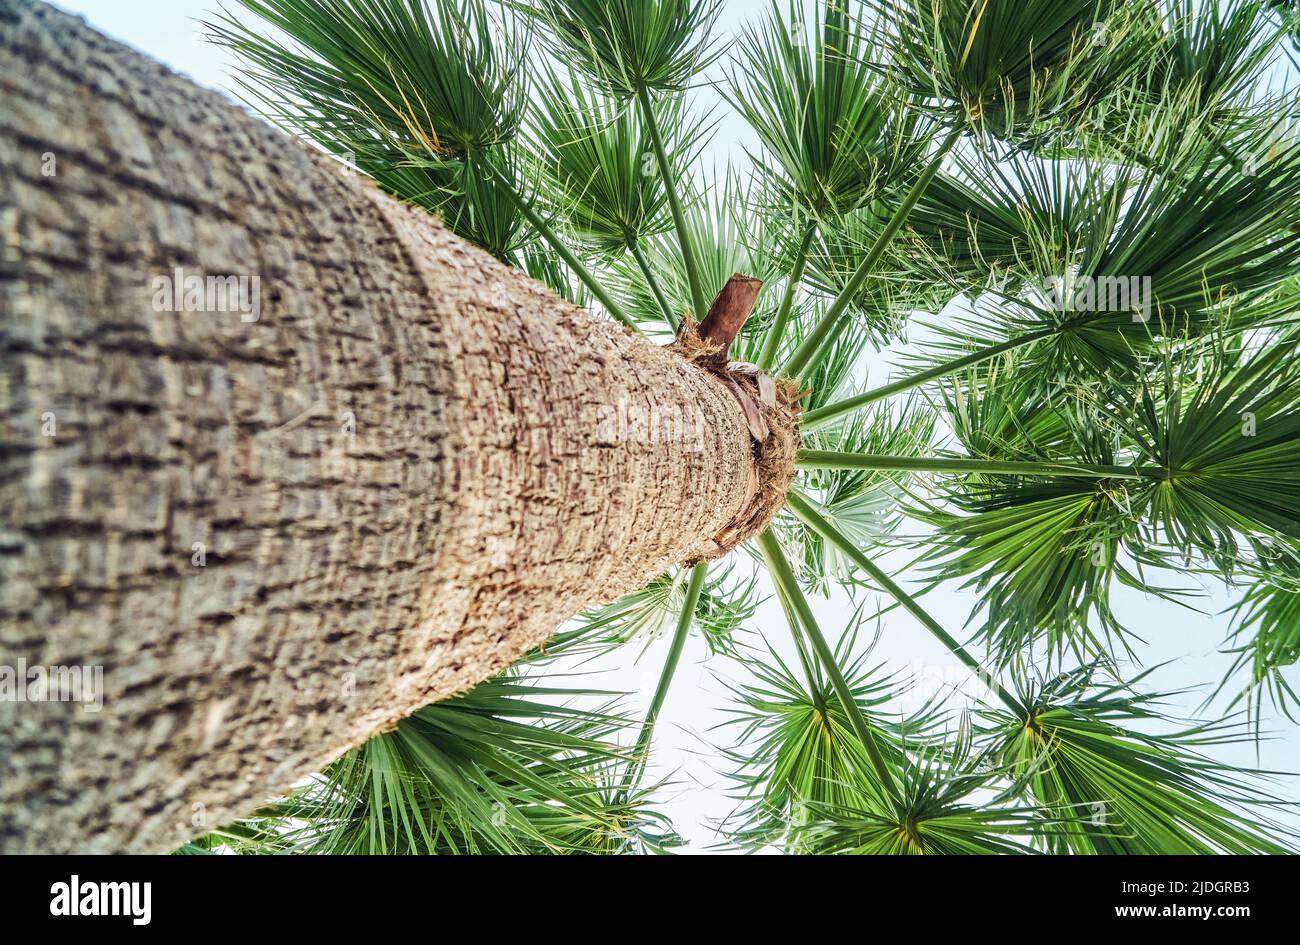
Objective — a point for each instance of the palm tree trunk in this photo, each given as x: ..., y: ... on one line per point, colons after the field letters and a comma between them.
x: 280, y: 527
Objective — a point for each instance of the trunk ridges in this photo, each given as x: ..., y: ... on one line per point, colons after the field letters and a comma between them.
x: 406, y: 472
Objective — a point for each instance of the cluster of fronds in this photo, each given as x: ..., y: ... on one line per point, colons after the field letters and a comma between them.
x: 975, y: 158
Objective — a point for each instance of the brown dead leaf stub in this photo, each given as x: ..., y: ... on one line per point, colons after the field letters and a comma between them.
x: 729, y: 311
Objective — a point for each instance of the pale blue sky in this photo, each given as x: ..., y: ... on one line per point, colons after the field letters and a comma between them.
x: 1186, y: 641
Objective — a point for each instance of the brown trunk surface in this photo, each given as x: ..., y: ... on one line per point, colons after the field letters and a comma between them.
x: 279, y: 536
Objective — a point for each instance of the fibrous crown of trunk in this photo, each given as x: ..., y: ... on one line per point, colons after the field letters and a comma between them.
x: 394, y: 466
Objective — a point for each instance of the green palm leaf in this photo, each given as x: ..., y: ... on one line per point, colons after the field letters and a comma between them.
x: 1007, y: 66
x: 1042, y: 553
x: 834, y: 136
x: 1017, y: 217
x: 1116, y: 260
x: 721, y: 241
x: 593, y: 157
x: 1266, y: 638
x: 1220, y: 50
x: 437, y: 78
x: 1225, y: 429
x: 865, y: 505
x: 941, y: 814
x: 627, y: 46
x: 1083, y: 751
x: 793, y: 748
x: 378, y: 83
x: 508, y: 767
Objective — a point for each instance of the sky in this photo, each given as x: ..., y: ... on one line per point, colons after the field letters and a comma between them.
x: 1183, y: 643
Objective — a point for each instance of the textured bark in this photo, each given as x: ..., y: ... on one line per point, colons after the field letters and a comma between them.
x: 279, y: 536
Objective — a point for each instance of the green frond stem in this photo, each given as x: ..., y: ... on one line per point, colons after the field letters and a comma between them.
x: 674, y: 204
x: 571, y: 260
x: 815, y: 418
x: 819, y: 340
x: 808, y: 515
x: 773, y: 342
x: 834, y: 459
x: 635, y: 249
x: 641, y: 751
x: 788, y: 587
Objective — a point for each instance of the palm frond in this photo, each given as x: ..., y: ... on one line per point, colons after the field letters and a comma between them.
x: 720, y: 238
x: 1008, y: 67
x: 629, y: 46
x: 642, y: 615
x: 1220, y: 49
x: 792, y: 747
x: 1183, y: 249
x: 833, y: 135
x: 945, y: 810
x: 1225, y: 428
x: 378, y: 82
x: 509, y: 767
x: 882, y: 304
x: 1266, y: 638
x: 865, y: 505
x: 727, y: 603
x: 444, y: 78
x: 1083, y: 750
x: 1041, y: 553
x: 1008, y: 221
x: 595, y: 160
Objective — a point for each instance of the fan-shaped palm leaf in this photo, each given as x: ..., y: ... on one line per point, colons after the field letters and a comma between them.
x: 833, y: 135
x: 1006, y: 66
x: 863, y: 504
x: 940, y: 813
x: 629, y: 46
x: 1225, y: 432
x: 793, y: 747
x: 1081, y: 751
x: 507, y: 767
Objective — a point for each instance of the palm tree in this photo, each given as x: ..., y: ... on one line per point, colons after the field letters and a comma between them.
x: 1094, y: 201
